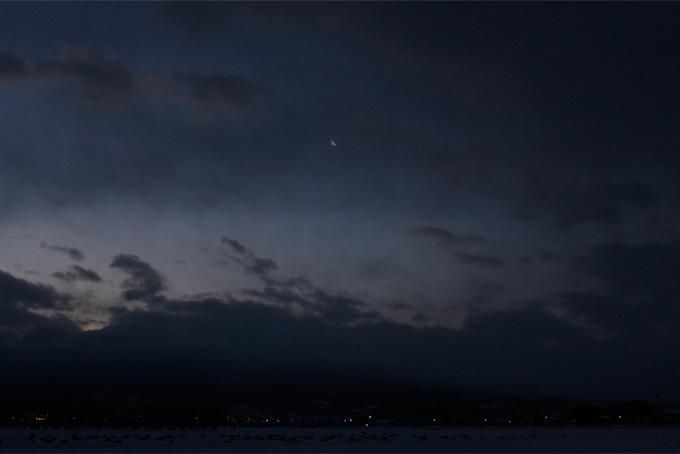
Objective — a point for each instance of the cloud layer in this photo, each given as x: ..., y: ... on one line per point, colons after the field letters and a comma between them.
x: 501, y: 210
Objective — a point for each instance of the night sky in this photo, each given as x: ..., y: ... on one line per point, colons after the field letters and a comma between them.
x: 478, y: 195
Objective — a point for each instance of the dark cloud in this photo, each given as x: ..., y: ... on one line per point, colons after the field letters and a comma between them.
x: 196, y: 21
x: 546, y: 182
x: 235, y: 246
x: 12, y: 66
x: 486, y: 292
x: 446, y: 236
x: 480, y: 260
x: 400, y: 306
x: 605, y: 204
x: 298, y: 293
x: 632, y: 294
x: 19, y: 292
x: 262, y: 266
x: 19, y: 299
x: 205, y: 21
x: 532, y: 324
x: 97, y: 75
x: 72, y: 252
x: 144, y: 282
x: 102, y: 78
x: 459, y: 243
x: 548, y: 257
x: 540, y: 353
x: 523, y: 350
x: 216, y: 90
x: 586, y: 337
x: 641, y: 271
x: 246, y: 258
x: 542, y: 256
x: 421, y: 317
x: 330, y: 308
x: 77, y: 273
x: 19, y: 325
x: 496, y: 73
x: 246, y: 331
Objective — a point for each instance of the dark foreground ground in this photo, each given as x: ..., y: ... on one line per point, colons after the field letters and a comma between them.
x: 371, y: 439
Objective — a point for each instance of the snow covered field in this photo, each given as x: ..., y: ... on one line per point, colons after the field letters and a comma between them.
x: 372, y: 439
